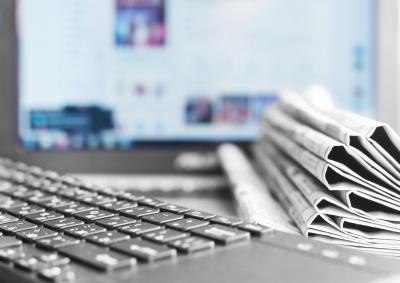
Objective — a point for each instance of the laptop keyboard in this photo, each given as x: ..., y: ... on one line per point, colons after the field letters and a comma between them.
x: 48, y: 221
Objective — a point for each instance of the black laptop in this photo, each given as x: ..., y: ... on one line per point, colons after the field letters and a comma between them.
x: 123, y: 87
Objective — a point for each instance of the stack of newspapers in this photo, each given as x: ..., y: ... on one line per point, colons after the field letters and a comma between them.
x: 335, y: 173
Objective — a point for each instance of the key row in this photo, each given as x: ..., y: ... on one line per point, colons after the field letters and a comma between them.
x: 112, y: 203
x: 87, y: 213
x: 47, y: 265
x: 108, y: 202
x: 174, y: 230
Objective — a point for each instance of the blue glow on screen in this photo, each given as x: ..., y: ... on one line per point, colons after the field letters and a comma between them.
x: 110, y: 74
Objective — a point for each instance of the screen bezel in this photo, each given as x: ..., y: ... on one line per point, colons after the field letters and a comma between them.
x: 154, y: 159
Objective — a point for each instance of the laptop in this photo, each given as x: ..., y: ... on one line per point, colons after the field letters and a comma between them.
x: 123, y: 87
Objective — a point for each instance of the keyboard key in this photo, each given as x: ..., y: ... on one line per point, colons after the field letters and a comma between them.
x: 107, y: 238
x: 255, y: 229
x: 51, y: 258
x: 152, y: 202
x: 10, y: 203
x: 35, y: 234
x: 60, y: 224
x: 112, y: 192
x: 28, y: 263
x: 117, y: 205
x: 162, y: 217
x: 27, y: 195
x: 174, y: 208
x: 39, y: 197
x: 16, y: 227
x: 55, y: 202
x: 230, y: 221
x: 96, y: 199
x: 165, y: 235
x: 42, y: 217
x: 9, y: 242
x: 5, y: 195
x: 58, y: 274
x: 187, y: 224
x: 69, y: 180
x: 98, y: 257
x: 75, y: 193
x: 92, y: 215
x: 199, y: 214
x: 35, y: 170
x: 139, y: 211
x: 138, y: 228
x: 73, y: 208
x: 56, y: 242
x: 38, y: 259
x: 192, y: 244
x: 115, y: 221
x: 85, y: 230
x: 5, y: 218
x: 129, y: 196
x: 22, y: 191
x: 55, y: 188
x: 144, y: 250
x: 25, y: 210
x: 8, y: 254
x: 221, y: 234
x: 37, y: 183
x: 6, y: 187
x: 4, y: 198
x: 35, y: 195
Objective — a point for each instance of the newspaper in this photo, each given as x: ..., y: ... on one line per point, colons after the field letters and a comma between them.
x: 334, y: 178
x: 318, y: 195
x: 351, y: 132
x: 330, y: 217
x: 254, y: 201
x: 302, y: 212
x: 336, y: 173
x: 380, y: 135
x: 332, y: 151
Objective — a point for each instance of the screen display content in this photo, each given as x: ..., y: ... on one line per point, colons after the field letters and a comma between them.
x: 118, y: 74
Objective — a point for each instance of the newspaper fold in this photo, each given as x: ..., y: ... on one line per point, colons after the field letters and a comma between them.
x: 336, y: 173
x: 332, y: 177
x: 379, y: 134
x: 355, y: 131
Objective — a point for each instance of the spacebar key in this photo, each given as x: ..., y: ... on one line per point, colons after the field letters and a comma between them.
x: 97, y: 257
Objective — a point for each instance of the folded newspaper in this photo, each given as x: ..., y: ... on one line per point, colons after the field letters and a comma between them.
x: 337, y: 173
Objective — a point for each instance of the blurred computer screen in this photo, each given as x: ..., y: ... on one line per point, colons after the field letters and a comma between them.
x: 125, y: 73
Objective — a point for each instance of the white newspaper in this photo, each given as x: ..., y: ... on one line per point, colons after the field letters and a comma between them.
x: 379, y: 134
x: 303, y: 212
x: 333, y: 178
x: 337, y: 173
x: 351, y: 132
x: 252, y: 195
x: 377, y: 208
x: 336, y: 153
x: 327, y: 205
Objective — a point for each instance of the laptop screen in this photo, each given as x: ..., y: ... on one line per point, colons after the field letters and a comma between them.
x: 116, y: 74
